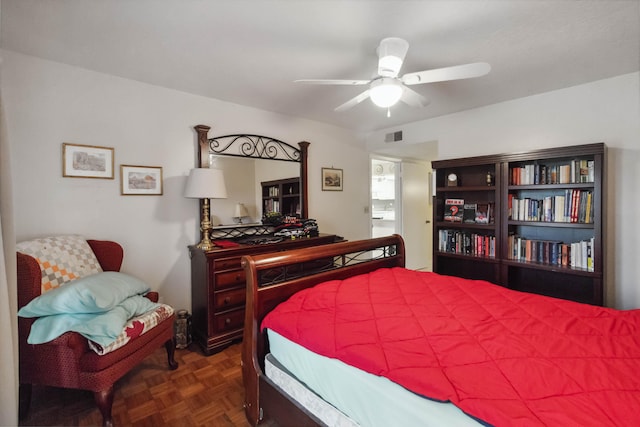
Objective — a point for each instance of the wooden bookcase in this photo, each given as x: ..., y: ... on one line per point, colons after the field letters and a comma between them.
x: 456, y: 249
x: 530, y: 192
x: 282, y: 196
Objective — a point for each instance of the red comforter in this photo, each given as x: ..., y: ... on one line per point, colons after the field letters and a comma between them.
x: 505, y: 357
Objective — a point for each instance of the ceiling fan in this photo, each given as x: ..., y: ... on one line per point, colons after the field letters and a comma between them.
x: 387, y: 88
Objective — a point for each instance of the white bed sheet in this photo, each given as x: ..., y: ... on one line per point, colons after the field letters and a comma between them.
x: 368, y: 400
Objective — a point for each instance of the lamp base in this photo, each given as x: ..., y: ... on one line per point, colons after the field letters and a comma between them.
x: 206, y: 245
x: 205, y: 227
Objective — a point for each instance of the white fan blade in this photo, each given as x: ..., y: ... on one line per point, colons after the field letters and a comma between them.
x: 333, y: 82
x: 353, y: 101
x: 457, y: 72
x: 391, y: 53
x: 413, y: 98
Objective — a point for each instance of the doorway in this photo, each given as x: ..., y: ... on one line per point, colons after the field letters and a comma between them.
x: 411, y: 203
x: 385, y: 197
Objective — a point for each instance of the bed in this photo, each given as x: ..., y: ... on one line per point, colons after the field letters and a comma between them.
x: 487, y: 355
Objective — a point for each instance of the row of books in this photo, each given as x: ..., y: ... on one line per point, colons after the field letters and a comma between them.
x: 456, y: 210
x: 271, y: 205
x: 466, y: 243
x: 576, y: 171
x: 272, y: 191
x: 573, y: 206
x: 576, y: 255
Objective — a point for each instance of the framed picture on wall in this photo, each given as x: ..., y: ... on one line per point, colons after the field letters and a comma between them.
x: 140, y: 180
x: 332, y: 179
x: 86, y: 161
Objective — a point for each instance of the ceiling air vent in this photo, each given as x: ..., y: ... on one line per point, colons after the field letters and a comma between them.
x: 393, y: 136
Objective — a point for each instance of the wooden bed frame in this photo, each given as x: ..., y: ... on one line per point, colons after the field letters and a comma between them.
x: 273, y: 278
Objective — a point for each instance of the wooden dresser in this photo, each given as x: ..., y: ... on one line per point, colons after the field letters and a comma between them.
x: 218, y: 289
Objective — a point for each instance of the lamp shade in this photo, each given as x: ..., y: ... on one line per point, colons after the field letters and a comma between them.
x: 205, y: 183
x: 241, y: 211
x: 385, y: 92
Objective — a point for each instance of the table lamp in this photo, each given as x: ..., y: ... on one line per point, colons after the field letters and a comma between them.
x: 205, y: 184
x: 240, y: 212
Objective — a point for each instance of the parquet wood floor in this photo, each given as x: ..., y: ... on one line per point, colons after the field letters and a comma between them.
x: 203, y: 391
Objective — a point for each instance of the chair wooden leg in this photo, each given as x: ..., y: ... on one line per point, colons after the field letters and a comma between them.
x: 24, y: 400
x: 104, y: 401
x: 170, y: 345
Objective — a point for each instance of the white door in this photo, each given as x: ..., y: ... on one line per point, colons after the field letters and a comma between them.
x: 416, y: 215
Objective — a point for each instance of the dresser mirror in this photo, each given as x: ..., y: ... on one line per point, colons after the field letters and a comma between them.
x: 247, y: 161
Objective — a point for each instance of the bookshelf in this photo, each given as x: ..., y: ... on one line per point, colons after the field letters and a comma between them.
x: 548, y: 221
x: 461, y: 248
x: 281, y: 196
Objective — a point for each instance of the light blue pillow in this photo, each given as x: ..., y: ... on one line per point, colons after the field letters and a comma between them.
x: 96, y: 293
x: 102, y: 328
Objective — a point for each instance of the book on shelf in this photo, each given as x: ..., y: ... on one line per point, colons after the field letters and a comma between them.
x: 573, y: 205
x: 469, y: 213
x: 590, y: 171
x: 573, y: 209
x: 574, y: 171
x: 483, y: 213
x: 579, y: 254
x: 453, y: 210
x: 588, y: 210
x: 564, y: 174
x: 466, y: 243
x: 565, y: 249
x: 510, y: 206
x: 553, y: 175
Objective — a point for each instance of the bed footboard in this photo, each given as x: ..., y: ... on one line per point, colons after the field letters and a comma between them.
x: 272, y: 279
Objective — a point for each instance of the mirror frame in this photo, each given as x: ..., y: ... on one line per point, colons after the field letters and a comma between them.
x: 255, y: 147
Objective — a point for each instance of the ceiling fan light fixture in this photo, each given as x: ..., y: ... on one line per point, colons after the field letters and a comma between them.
x: 391, y: 53
x: 385, y: 92
x: 387, y: 87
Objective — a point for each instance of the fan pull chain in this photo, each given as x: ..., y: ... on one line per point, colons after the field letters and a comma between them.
x: 388, y: 112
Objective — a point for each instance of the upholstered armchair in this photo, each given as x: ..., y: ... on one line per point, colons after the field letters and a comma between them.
x: 68, y: 361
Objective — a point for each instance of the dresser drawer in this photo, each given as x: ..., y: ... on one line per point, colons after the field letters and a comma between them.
x: 230, y: 320
x: 226, y: 299
x: 226, y: 263
x: 229, y: 279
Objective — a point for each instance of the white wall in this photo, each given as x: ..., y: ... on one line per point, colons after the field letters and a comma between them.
x: 604, y: 111
x: 49, y: 103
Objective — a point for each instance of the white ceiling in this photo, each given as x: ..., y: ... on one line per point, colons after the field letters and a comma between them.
x: 249, y: 52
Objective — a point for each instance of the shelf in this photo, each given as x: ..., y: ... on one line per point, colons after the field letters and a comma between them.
x: 281, y: 196
x: 551, y: 224
x: 550, y: 267
x: 467, y: 257
x: 551, y: 186
x: 447, y: 224
x: 463, y: 188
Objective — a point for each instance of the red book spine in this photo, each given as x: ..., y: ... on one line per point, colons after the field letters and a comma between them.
x: 575, y: 202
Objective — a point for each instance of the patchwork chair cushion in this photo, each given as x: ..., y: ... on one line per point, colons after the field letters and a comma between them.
x: 61, y: 259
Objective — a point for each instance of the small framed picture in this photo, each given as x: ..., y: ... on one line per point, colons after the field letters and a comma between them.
x: 140, y: 180
x: 86, y: 161
x: 331, y: 179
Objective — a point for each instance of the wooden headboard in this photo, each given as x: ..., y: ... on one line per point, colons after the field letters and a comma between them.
x: 273, y: 278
